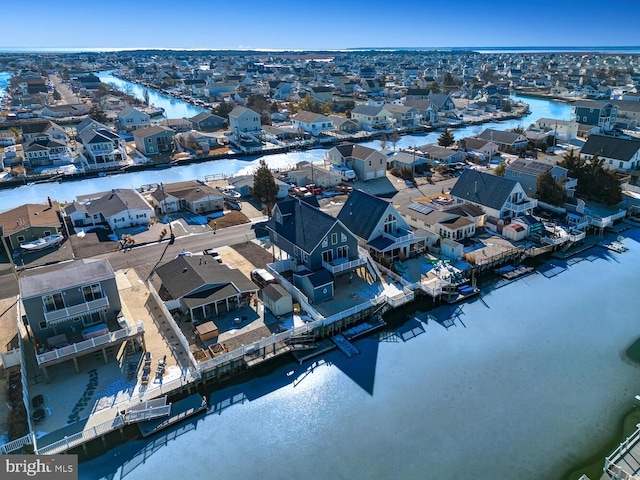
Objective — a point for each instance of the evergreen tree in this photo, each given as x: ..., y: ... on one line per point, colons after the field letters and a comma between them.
x: 550, y: 191
x: 265, y: 189
x: 500, y: 170
x: 446, y: 138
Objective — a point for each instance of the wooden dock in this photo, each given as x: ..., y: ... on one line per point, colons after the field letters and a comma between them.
x: 302, y: 354
x: 180, y: 410
x: 364, y: 328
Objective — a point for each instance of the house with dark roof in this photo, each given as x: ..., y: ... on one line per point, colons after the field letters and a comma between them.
x: 119, y: 208
x: 103, y: 147
x: 46, y: 151
x: 439, y: 155
x: 498, y: 197
x: 479, y: 148
x: 38, y: 129
x: 602, y: 114
x: 507, y: 141
x: 192, y: 195
x: 319, y: 245
x: 207, y: 122
x: 29, y: 222
x: 366, y: 162
x: 343, y: 124
x: 527, y: 172
x: 618, y: 153
x: 202, y: 287
x: 74, y: 309
x: 380, y: 227
x: 154, y: 140
x: 404, y: 116
x: 130, y: 119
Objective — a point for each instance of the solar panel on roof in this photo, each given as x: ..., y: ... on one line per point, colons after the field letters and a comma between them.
x: 421, y: 208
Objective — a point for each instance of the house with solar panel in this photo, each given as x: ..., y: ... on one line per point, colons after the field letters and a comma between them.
x: 527, y: 172
x: 380, y: 227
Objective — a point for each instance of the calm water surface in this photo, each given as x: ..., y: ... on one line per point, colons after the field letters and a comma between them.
x: 528, y: 379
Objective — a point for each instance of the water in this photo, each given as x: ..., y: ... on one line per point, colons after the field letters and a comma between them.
x: 526, y: 382
x: 67, y: 191
x: 173, y: 107
x: 4, y: 82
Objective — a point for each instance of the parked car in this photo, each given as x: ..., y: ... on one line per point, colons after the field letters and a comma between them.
x: 184, y: 253
x: 261, y: 277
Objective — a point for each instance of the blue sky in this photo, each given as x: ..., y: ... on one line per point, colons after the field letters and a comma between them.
x: 327, y: 24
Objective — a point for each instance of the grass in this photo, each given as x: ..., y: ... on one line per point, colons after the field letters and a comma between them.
x: 592, y: 465
x: 229, y: 220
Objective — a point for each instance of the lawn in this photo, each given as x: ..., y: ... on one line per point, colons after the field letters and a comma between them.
x: 229, y: 220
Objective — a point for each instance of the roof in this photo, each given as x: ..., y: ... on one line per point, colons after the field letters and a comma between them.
x: 65, y: 275
x: 310, y: 117
x: 302, y: 224
x: 275, y: 291
x: 475, y: 143
x: 591, y: 104
x: 622, y: 149
x: 38, y: 126
x: 116, y: 201
x: 29, y: 215
x: 483, y: 188
x: 154, y: 130
x: 355, y: 151
x: 362, y: 212
x: 184, y: 275
x: 99, y: 135
x: 437, y: 152
x: 319, y: 278
x: 501, y: 136
x: 239, y: 111
x: 129, y: 109
x: 530, y: 167
x: 190, y: 191
x: 367, y: 110
x: 204, y: 116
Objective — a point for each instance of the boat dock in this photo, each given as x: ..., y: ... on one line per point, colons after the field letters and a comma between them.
x: 511, y: 273
x: 302, y: 354
x: 345, y: 346
x: 364, y: 328
x: 180, y: 410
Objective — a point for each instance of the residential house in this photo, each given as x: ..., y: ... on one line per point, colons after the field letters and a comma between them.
x: 202, y: 287
x: 442, y: 155
x: 507, y: 141
x: 119, y: 208
x: 313, y: 123
x: 130, y: 119
x: 194, y: 196
x: 499, y: 197
x: 46, y: 151
x: 563, y: 130
x: 366, y: 162
x: 74, y: 309
x: 66, y: 110
x: 244, y: 185
x: 103, y: 146
x: 154, y: 140
x: 243, y: 120
x: 312, y: 174
x: 403, y: 115
x: 527, y: 172
x: 207, y: 122
x: 177, y: 124
x: 344, y: 125
x: 29, y: 222
x: 427, y: 112
x: 322, y: 94
x: 628, y: 112
x: 380, y: 227
x: 39, y: 129
x: 602, y: 114
x: 400, y: 159
x: 618, y: 153
x: 481, y: 149
x: 372, y: 118
x: 319, y: 244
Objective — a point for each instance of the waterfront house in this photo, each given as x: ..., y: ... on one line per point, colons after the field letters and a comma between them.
x: 344, y: 125
x: 131, y: 118
x: 29, y: 222
x: 42, y: 129
x: 74, y: 309
x: 244, y: 185
x: 618, y: 153
x: 602, y: 114
x: 563, y: 130
x: 441, y: 155
x: 207, y: 122
x: 481, y: 149
x: 380, y: 227
x: 177, y: 124
x: 507, y: 141
x: 154, y: 140
x: 404, y: 116
x: 372, y: 118
x: 103, y: 147
x: 244, y: 121
x: 202, y: 287
x: 312, y: 174
x: 46, y: 151
x: 499, y: 197
x: 427, y: 112
x: 119, y: 208
x: 191, y: 195
x: 313, y: 123
x: 443, y: 216
x: 628, y: 112
x: 319, y: 244
x: 527, y: 172
x: 366, y: 162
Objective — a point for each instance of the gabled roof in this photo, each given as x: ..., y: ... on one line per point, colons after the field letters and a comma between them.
x: 116, y: 201
x: 310, y: 117
x: 483, y: 189
x: 622, y: 149
x: 204, y: 116
x: 29, y: 215
x: 367, y: 110
x: 190, y: 191
x: 501, y: 136
x: 99, y: 135
x: 302, y: 224
x: 183, y: 275
x: 437, y: 152
x: 154, y: 130
x: 591, y: 104
x: 530, y: 167
x: 239, y: 111
x: 362, y: 212
x: 355, y: 151
x: 128, y: 110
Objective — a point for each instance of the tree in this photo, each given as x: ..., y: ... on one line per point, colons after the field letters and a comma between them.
x: 446, y: 139
x: 506, y: 106
x: 383, y: 141
x: 394, y: 138
x: 145, y: 96
x: 500, y: 170
x: 449, y: 80
x: 56, y: 95
x: 97, y: 113
x: 550, y: 191
x: 434, y: 87
x: 518, y: 129
x: 265, y: 189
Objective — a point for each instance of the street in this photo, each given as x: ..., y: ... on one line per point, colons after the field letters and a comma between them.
x: 63, y: 89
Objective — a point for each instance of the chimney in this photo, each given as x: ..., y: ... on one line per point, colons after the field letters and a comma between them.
x: 49, y: 201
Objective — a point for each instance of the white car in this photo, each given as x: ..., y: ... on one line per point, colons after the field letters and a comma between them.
x: 184, y: 254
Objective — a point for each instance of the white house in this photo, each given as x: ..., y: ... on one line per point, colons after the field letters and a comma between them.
x: 102, y: 145
x: 130, y: 118
x: 119, y: 208
x: 372, y: 118
x: 244, y: 120
x: 313, y: 123
x: 618, y: 153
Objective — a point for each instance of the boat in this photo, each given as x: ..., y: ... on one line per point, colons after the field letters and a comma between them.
x: 459, y: 294
x: 230, y: 193
x: 43, y: 243
x: 615, y: 247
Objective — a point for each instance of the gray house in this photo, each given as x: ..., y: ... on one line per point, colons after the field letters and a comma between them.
x: 320, y: 245
x: 526, y: 172
x: 207, y: 122
x: 74, y: 309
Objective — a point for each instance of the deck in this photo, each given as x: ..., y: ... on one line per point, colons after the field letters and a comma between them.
x: 180, y: 410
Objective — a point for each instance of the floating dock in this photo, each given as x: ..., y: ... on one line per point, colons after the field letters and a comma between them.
x: 364, y: 328
x: 345, y: 346
x: 302, y: 354
x: 180, y: 410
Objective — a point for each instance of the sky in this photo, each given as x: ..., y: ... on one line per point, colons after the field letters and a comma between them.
x: 318, y: 25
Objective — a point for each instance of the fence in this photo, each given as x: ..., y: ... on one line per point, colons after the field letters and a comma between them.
x: 16, y: 444
x: 11, y: 358
x: 179, y: 335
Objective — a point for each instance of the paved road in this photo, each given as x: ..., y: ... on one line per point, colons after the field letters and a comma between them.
x: 63, y: 89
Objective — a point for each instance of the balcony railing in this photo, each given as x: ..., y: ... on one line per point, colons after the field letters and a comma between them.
x: 571, y: 183
x: 522, y: 206
x: 338, y: 267
x: 57, y: 316
x: 400, y: 237
x: 74, y: 349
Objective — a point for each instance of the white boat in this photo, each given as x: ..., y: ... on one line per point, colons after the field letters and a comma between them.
x: 230, y: 192
x: 42, y: 243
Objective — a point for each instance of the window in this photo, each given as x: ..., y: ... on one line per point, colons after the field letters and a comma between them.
x: 42, y: 325
x: 390, y: 224
x: 325, y: 242
x: 91, y: 319
x: 327, y: 256
x: 343, y: 238
x: 343, y: 251
x: 92, y: 292
x: 369, y: 162
x: 53, y: 302
x: 334, y: 238
x: 20, y: 238
x: 46, y: 233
